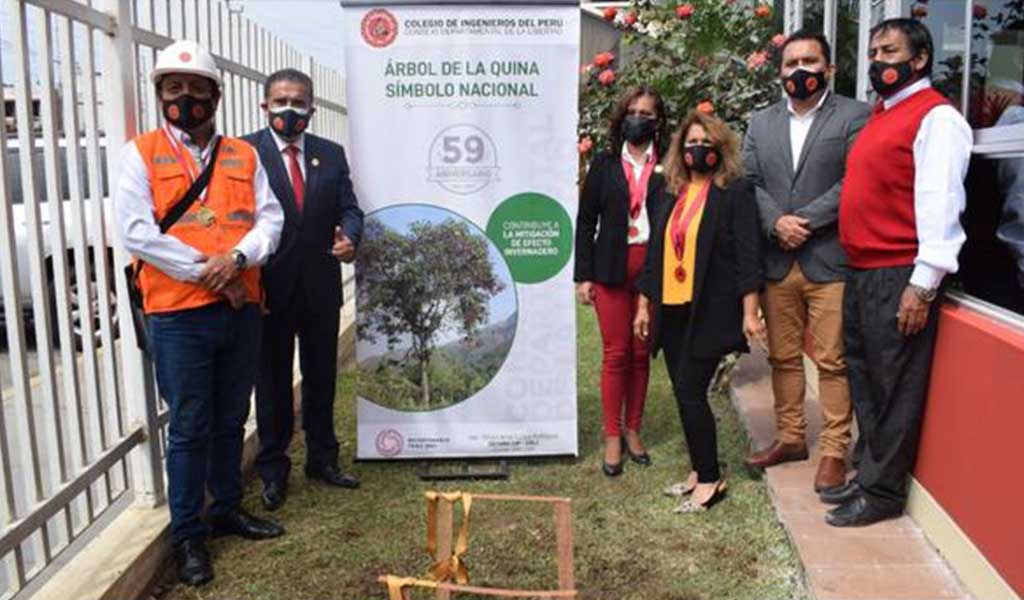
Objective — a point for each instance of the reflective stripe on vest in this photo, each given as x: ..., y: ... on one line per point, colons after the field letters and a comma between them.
x: 230, y: 195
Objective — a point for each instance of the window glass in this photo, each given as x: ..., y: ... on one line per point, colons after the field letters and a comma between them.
x: 992, y: 260
x: 814, y: 15
x: 945, y: 20
x: 846, y: 47
x: 997, y: 63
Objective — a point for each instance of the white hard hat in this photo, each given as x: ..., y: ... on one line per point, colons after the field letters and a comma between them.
x: 185, y: 56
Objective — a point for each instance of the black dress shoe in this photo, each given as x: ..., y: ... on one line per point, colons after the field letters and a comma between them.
x: 240, y: 523
x: 611, y: 470
x: 841, y: 494
x: 858, y: 512
x: 193, y: 561
x: 640, y: 459
x: 332, y: 475
x: 274, y: 495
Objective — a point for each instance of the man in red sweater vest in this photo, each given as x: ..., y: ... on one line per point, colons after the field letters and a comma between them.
x: 899, y: 223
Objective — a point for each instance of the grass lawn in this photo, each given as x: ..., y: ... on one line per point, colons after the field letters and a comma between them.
x: 629, y: 544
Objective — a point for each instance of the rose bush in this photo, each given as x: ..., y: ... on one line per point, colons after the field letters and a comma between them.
x: 720, y: 55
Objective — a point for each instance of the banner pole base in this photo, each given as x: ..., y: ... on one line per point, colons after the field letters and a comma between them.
x: 463, y: 471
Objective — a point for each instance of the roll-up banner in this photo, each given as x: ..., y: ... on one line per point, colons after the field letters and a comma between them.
x: 462, y: 121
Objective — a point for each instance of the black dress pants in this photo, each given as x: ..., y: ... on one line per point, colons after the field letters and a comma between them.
x: 690, y: 377
x: 317, y: 331
x: 888, y: 374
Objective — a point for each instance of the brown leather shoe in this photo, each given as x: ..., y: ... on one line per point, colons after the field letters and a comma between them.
x: 776, y: 454
x: 831, y: 474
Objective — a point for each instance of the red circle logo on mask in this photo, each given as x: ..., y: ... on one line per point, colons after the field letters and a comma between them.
x: 688, y: 159
x: 790, y: 87
x: 890, y: 76
x: 812, y: 84
x: 198, y: 111
x: 173, y: 113
x: 278, y: 123
x: 711, y: 159
x: 379, y: 28
x: 300, y: 126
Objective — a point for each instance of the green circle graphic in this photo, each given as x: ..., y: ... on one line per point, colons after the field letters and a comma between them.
x: 534, y: 234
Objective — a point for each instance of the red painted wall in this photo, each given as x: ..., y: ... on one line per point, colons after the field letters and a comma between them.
x: 972, y: 445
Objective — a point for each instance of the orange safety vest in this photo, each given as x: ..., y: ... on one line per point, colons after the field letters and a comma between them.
x: 231, y: 196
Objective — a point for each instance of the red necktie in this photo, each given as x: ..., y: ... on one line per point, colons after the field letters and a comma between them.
x: 296, y: 174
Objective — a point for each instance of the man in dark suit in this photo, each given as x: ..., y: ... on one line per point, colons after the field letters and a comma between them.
x: 323, y: 224
x: 795, y: 151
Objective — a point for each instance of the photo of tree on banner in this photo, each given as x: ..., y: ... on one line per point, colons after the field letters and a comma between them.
x: 436, y: 309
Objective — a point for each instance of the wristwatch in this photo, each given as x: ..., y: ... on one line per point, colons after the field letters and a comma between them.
x: 924, y: 294
x: 239, y: 257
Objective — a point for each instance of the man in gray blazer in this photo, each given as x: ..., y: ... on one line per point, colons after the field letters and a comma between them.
x: 795, y: 151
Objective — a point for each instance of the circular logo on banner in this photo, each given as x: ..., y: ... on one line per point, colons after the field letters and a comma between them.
x: 380, y: 28
x: 463, y: 159
x: 389, y: 443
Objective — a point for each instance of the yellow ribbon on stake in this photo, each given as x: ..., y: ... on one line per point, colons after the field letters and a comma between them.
x: 397, y: 584
x: 453, y: 567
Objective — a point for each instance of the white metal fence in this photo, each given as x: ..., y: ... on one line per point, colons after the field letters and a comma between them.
x: 81, y: 431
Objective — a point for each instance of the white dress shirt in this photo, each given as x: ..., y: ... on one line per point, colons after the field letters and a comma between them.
x: 140, y: 232
x: 800, y: 126
x: 641, y: 222
x: 282, y: 146
x: 942, y: 152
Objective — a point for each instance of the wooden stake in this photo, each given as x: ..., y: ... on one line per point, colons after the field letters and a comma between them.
x: 563, y: 537
x: 444, y: 538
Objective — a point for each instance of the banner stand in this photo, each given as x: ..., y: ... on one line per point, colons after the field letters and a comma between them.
x: 441, y: 470
x: 462, y: 121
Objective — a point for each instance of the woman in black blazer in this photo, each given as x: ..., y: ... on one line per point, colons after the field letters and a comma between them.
x: 612, y: 228
x: 699, y: 287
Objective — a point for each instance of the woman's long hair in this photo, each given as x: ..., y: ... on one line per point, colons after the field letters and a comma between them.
x: 619, y: 115
x: 724, y: 140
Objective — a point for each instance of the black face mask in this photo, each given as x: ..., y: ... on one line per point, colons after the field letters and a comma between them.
x: 289, y: 122
x: 802, y: 84
x: 188, y: 112
x: 889, y: 78
x: 702, y: 159
x: 639, y: 130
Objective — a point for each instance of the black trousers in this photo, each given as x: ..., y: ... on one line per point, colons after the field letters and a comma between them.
x: 317, y: 331
x: 888, y: 374
x: 690, y: 377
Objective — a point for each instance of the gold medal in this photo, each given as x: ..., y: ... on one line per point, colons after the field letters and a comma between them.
x: 680, y: 274
x: 206, y: 216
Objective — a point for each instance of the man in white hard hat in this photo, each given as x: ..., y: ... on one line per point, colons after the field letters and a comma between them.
x: 201, y: 289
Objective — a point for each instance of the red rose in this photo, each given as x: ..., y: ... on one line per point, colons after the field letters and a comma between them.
x: 609, y: 13
x: 706, y: 107
x: 980, y: 11
x: 607, y: 77
x: 585, y: 145
x: 603, y: 59
x: 763, y: 11
x: 778, y: 40
x: 685, y: 11
x: 629, y: 20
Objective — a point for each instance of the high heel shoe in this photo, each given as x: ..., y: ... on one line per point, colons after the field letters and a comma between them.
x: 689, y: 506
x: 640, y: 459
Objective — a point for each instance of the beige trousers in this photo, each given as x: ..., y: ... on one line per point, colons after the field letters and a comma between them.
x: 792, y: 307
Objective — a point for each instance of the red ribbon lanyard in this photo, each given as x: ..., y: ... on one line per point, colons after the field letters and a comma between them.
x: 680, y: 222
x: 638, y: 189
